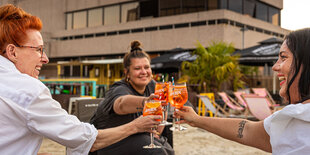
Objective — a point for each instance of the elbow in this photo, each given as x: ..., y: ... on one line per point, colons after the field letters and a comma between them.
x: 119, y: 107
x: 268, y: 149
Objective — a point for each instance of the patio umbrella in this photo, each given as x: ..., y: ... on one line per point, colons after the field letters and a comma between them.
x: 266, y: 53
x: 172, y: 60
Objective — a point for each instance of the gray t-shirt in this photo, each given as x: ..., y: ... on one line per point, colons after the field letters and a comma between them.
x: 105, y: 117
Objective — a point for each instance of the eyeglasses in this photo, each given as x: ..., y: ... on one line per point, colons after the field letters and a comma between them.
x: 39, y: 48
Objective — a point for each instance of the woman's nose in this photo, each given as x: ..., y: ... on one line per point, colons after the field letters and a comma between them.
x: 276, y: 66
x: 44, y: 58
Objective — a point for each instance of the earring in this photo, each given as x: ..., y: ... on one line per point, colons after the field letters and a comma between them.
x: 127, y: 79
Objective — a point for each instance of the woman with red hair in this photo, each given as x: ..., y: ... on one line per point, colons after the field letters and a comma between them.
x: 27, y: 111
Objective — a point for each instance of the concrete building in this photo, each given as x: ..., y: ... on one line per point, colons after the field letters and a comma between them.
x: 87, y: 30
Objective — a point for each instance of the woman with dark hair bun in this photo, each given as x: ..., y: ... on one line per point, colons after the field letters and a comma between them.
x: 285, y: 131
x: 124, y: 103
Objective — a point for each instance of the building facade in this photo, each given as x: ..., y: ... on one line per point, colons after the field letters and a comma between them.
x: 94, y: 30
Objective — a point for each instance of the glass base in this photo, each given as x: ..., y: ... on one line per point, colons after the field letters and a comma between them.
x: 151, y: 146
x: 163, y: 123
x: 178, y: 128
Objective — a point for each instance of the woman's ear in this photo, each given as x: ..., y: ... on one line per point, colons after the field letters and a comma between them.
x: 11, y: 52
x: 125, y: 71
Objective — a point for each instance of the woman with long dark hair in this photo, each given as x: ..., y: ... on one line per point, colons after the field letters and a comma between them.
x: 285, y: 131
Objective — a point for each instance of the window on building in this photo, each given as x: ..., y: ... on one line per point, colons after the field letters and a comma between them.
x: 235, y: 5
x: 129, y: 12
x: 79, y: 19
x: 261, y: 11
x: 274, y: 16
x: 71, y: 71
x: 149, y: 9
x: 69, y: 21
x: 193, y: 5
x: 95, y: 17
x: 223, y: 4
x: 212, y: 4
x: 112, y: 15
x: 86, y: 70
x: 249, y: 7
x: 171, y: 7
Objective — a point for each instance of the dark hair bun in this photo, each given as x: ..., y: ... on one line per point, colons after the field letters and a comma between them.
x: 135, y: 45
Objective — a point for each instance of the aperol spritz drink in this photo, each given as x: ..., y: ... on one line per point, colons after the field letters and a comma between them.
x: 178, y: 96
x: 161, y: 89
x: 152, y: 107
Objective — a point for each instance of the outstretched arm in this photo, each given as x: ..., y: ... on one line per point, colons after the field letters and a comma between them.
x: 128, y: 104
x: 239, y: 130
x: 110, y: 136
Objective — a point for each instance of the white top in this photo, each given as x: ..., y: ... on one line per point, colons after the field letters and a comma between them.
x: 28, y: 113
x: 289, y: 130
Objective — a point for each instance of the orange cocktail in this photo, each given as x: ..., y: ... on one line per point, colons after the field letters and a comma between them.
x: 161, y: 89
x: 178, y: 96
x: 152, y: 107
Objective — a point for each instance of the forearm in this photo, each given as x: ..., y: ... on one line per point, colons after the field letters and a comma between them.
x: 224, y: 127
x: 110, y: 136
x: 239, y: 130
x: 128, y: 104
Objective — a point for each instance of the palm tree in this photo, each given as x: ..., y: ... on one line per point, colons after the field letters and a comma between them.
x: 213, y: 67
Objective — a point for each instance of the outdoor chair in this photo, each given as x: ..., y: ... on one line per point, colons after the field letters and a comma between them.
x: 257, y: 105
x: 72, y: 103
x: 202, y: 107
x: 216, y: 109
x: 264, y: 92
x: 240, y: 100
x: 86, y: 108
x: 234, y: 106
x: 230, y: 102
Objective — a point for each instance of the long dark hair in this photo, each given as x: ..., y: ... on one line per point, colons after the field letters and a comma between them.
x: 135, y: 52
x: 298, y: 43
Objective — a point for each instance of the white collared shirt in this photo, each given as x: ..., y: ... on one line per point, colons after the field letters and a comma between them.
x: 28, y: 113
x: 289, y: 130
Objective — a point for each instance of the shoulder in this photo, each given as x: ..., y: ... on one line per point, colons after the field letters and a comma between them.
x: 151, y: 86
x: 152, y: 83
x: 120, y: 86
x: 21, y: 88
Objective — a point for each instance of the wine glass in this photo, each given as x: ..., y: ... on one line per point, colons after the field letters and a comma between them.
x: 178, y: 97
x: 152, y: 107
x: 161, y: 89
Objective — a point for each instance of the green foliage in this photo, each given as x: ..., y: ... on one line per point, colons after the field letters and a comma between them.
x: 213, y: 67
x: 249, y: 70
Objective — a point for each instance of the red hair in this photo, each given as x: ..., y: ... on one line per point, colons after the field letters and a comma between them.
x: 14, y: 22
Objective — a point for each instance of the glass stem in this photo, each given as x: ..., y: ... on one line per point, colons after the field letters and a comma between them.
x: 178, y: 120
x: 173, y: 121
x: 164, y: 113
x: 152, y: 138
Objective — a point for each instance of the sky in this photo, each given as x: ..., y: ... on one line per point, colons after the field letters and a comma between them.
x: 295, y: 14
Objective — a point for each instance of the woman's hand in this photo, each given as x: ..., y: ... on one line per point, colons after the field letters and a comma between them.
x: 146, y: 123
x: 151, y: 97
x: 188, y: 115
